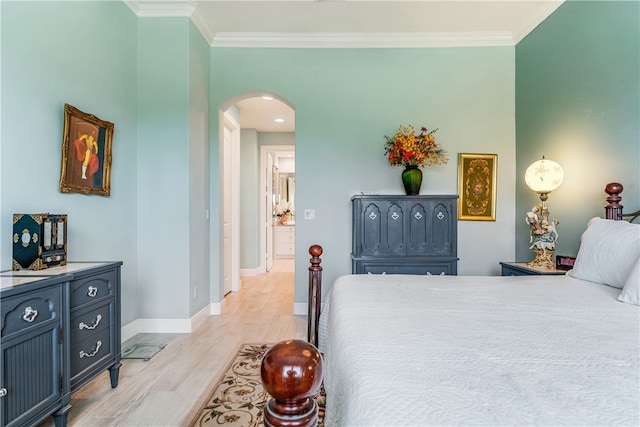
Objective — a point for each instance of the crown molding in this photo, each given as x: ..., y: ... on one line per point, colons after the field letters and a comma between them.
x: 537, y: 19
x: 159, y: 8
x: 363, y: 40
x: 188, y: 8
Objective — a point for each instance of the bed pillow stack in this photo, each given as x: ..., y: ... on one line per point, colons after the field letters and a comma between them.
x: 609, y: 254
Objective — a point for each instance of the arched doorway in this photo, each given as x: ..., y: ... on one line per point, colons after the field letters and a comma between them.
x: 245, y: 197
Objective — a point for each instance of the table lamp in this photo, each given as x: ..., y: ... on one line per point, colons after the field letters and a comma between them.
x: 543, y: 176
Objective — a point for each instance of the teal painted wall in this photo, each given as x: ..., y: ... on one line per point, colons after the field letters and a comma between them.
x: 346, y: 100
x: 163, y: 176
x: 199, y: 286
x: 577, y: 102
x: 51, y: 56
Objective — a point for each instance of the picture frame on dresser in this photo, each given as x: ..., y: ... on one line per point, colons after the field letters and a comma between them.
x: 86, y: 153
x: 477, y: 182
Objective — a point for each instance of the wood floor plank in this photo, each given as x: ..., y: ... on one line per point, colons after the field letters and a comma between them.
x: 168, y: 390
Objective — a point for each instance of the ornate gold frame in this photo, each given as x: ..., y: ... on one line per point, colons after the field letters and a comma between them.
x: 477, y: 182
x: 86, y: 153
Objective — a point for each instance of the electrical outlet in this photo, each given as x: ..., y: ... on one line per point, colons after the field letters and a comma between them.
x: 309, y: 214
x: 195, y: 293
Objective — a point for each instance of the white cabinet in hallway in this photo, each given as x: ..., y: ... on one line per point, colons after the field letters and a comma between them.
x: 285, y: 241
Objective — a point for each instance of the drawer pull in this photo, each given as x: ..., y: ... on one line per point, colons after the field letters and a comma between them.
x: 440, y: 215
x: 372, y: 215
x: 83, y: 325
x: 93, y: 353
x: 92, y: 292
x: 395, y: 216
x: 418, y: 216
x: 3, y: 392
x: 30, y: 314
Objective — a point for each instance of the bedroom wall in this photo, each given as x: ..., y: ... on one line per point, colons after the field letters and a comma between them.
x: 577, y: 102
x: 51, y: 56
x: 154, y: 220
x: 346, y: 100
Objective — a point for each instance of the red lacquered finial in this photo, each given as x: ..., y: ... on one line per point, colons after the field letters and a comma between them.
x: 315, y: 251
x: 291, y: 372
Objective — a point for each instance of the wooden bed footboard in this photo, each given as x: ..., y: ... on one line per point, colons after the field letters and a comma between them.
x: 315, y: 294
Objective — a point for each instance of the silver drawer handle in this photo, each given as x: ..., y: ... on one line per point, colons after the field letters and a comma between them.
x: 30, y: 314
x: 83, y: 325
x: 440, y: 215
x: 395, y: 215
x: 92, y: 292
x: 3, y: 392
x: 418, y: 215
x: 373, y: 215
x: 83, y: 354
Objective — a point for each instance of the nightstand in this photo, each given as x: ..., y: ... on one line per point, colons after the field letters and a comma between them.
x: 522, y: 269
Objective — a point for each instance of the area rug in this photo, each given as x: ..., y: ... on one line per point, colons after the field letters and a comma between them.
x: 239, y: 398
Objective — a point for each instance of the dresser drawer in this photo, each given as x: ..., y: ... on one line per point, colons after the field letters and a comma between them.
x: 92, y: 288
x: 91, y: 351
x: 400, y: 267
x: 30, y: 311
x: 86, y: 323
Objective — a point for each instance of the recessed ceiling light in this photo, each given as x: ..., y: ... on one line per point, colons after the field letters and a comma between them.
x: 267, y: 98
x: 279, y: 120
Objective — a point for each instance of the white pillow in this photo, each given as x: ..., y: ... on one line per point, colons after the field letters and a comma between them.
x: 608, y: 251
x: 631, y: 291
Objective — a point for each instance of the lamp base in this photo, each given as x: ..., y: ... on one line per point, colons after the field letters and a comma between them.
x: 543, y: 260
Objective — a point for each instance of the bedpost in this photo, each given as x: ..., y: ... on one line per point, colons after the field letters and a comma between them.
x: 613, y: 210
x: 315, y: 294
x: 291, y: 373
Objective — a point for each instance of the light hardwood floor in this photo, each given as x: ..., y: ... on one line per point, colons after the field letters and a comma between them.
x: 169, y: 389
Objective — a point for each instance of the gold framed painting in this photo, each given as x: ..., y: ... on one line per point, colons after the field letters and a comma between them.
x: 86, y: 153
x: 477, y: 186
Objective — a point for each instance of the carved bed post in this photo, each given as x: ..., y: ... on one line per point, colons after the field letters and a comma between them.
x: 291, y: 373
x: 614, y: 209
x: 315, y: 293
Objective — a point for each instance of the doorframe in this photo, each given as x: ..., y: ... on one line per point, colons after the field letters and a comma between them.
x: 234, y: 187
x: 266, y: 218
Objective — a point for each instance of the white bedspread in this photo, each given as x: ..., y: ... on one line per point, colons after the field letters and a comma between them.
x: 493, y: 351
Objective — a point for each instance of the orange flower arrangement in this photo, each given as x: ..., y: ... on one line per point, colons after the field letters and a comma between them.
x: 405, y: 148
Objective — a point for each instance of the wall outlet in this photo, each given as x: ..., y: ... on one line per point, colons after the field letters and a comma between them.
x: 195, y: 293
x: 309, y: 214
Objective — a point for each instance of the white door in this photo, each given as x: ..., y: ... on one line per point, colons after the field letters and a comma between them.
x: 226, y: 210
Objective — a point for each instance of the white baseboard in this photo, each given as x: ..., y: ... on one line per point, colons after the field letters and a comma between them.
x: 215, y: 308
x: 170, y: 326
x: 300, y: 308
x: 249, y: 272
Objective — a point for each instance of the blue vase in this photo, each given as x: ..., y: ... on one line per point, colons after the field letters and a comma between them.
x: 412, y: 179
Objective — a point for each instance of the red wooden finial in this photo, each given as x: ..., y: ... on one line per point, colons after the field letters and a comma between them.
x: 291, y: 372
x: 614, y: 209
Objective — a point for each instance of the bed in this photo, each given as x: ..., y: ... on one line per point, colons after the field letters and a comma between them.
x: 405, y: 350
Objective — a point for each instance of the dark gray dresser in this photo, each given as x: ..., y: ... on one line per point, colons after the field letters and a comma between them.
x: 60, y: 327
x: 405, y: 234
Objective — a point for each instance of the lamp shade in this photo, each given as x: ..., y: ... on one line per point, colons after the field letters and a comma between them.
x: 544, y: 176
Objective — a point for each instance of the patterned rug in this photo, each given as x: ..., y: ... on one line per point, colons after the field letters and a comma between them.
x: 238, y: 399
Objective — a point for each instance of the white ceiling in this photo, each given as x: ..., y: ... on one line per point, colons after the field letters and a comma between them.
x: 256, y: 113
x: 349, y: 23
